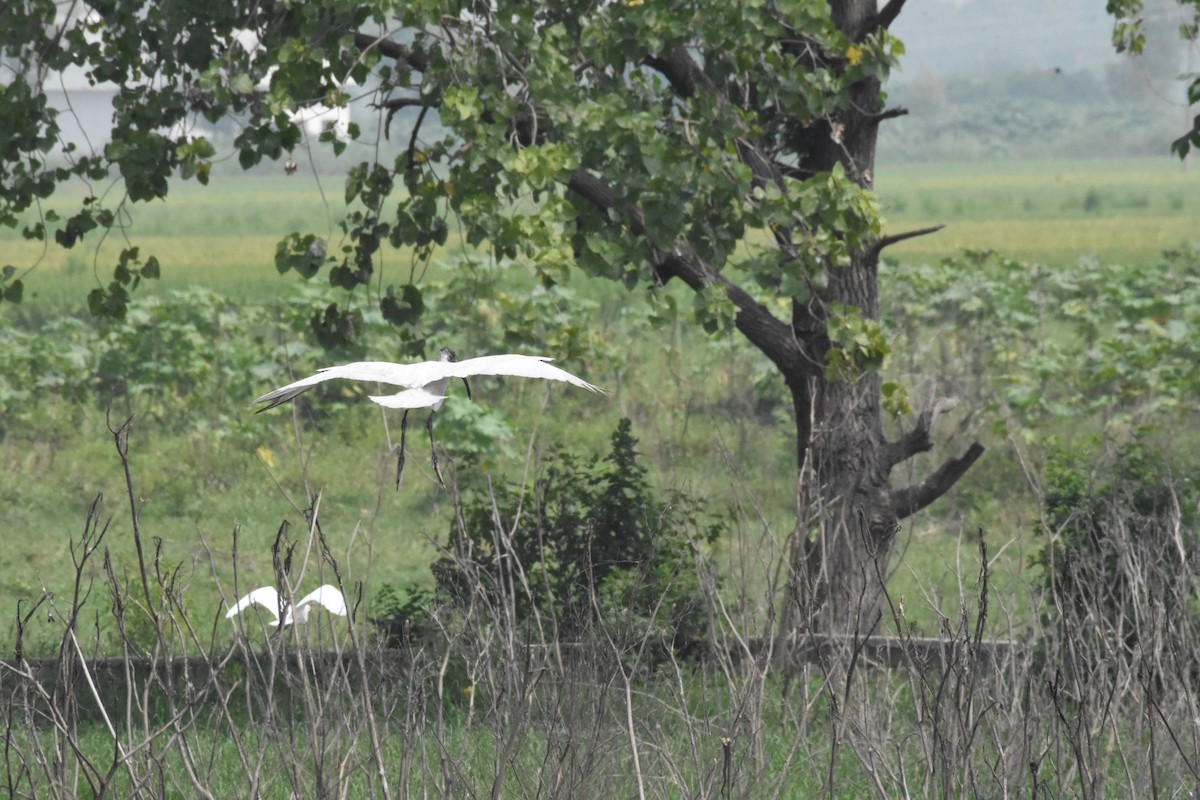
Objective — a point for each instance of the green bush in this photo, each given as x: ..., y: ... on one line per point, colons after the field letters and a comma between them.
x: 1120, y: 540
x: 1033, y: 345
x: 588, y: 542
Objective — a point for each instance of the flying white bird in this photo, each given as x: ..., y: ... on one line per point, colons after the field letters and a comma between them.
x: 294, y: 614
x: 425, y: 384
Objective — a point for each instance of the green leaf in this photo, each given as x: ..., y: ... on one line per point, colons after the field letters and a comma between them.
x: 405, y: 309
x: 242, y: 83
x: 306, y: 254
x: 460, y: 104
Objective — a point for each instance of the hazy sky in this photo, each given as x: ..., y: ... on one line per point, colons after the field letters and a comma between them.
x: 943, y: 36
x: 948, y: 35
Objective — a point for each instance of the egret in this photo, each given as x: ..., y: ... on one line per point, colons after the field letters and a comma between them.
x: 328, y: 596
x: 424, y: 385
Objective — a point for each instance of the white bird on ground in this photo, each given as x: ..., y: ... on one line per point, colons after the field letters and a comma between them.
x: 425, y: 384
x: 328, y: 596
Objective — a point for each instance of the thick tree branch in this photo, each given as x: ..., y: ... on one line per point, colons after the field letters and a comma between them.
x: 891, y: 239
x: 891, y: 112
x: 911, y: 499
x: 394, y: 104
x: 883, y: 19
x: 680, y: 260
x: 403, y: 55
x: 687, y: 78
x: 920, y: 438
x: 412, y: 138
x: 794, y: 172
x: 680, y: 70
x: 887, y: 15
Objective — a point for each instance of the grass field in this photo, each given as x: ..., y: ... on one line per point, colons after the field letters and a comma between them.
x: 1048, y: 212
x: 494, y: 705
x: 224, y: 236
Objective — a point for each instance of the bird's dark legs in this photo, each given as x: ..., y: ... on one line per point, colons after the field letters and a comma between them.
x: 433, y: 448
x: 400, y: 458
x: 468, y: 385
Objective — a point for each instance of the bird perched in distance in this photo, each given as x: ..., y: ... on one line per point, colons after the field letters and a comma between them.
x: 424, y: 385
x: 327, y: 596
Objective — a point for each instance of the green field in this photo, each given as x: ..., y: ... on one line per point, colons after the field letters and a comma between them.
x: 491, y: 704
x: 1048, y: 212
x: 224, y: 235
x: 198, y: 481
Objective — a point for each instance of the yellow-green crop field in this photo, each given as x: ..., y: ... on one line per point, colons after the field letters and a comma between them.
x: 224, y: 235
x: 1049, y: 212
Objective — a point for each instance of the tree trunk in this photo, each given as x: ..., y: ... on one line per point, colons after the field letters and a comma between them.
x: 847, y: 520
x: 845, y: 481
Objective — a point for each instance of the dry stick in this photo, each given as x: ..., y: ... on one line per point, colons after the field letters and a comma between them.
x: 252, y: 772
x: 65, y: 726
x: 691, y: 729
x: 553, y: 612
x: 633, y: 743
x: 444, y: 759
x: 773, y: 567
x: 625, y: 677
x: 312, y: 532
x: 121, y: 440
x: 506, y: 552
x: 727, y: 768
x: 312, y: 705
x: 505, y: 557
x: 216, y: 666
x: 87, y: 675
x: 917, y: 687
x: 760, y: 672
x: 25, y: 677
x: 1072, y: 737
x: 970, y: 725
x: 869, y: 758
x: 785, y: 768
x: 55, y: 767
x: 516, y: 731
x: 360, y: 655
x: 268, y: 720
x: 180, y: 625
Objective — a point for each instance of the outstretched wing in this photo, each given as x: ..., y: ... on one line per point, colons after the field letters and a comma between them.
x: 518, y: 366
x: 329, y: 596
x: 416, y: 376
x: 265, y: 596
x: 406, y: 375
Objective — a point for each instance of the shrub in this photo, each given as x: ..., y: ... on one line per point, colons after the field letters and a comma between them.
x: 1120, y: 541
x: 589, y: 540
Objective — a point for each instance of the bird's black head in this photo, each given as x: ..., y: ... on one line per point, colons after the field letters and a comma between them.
x: 446, y: 354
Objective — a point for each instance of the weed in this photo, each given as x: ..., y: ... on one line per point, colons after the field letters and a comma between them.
x: 485, y: 703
